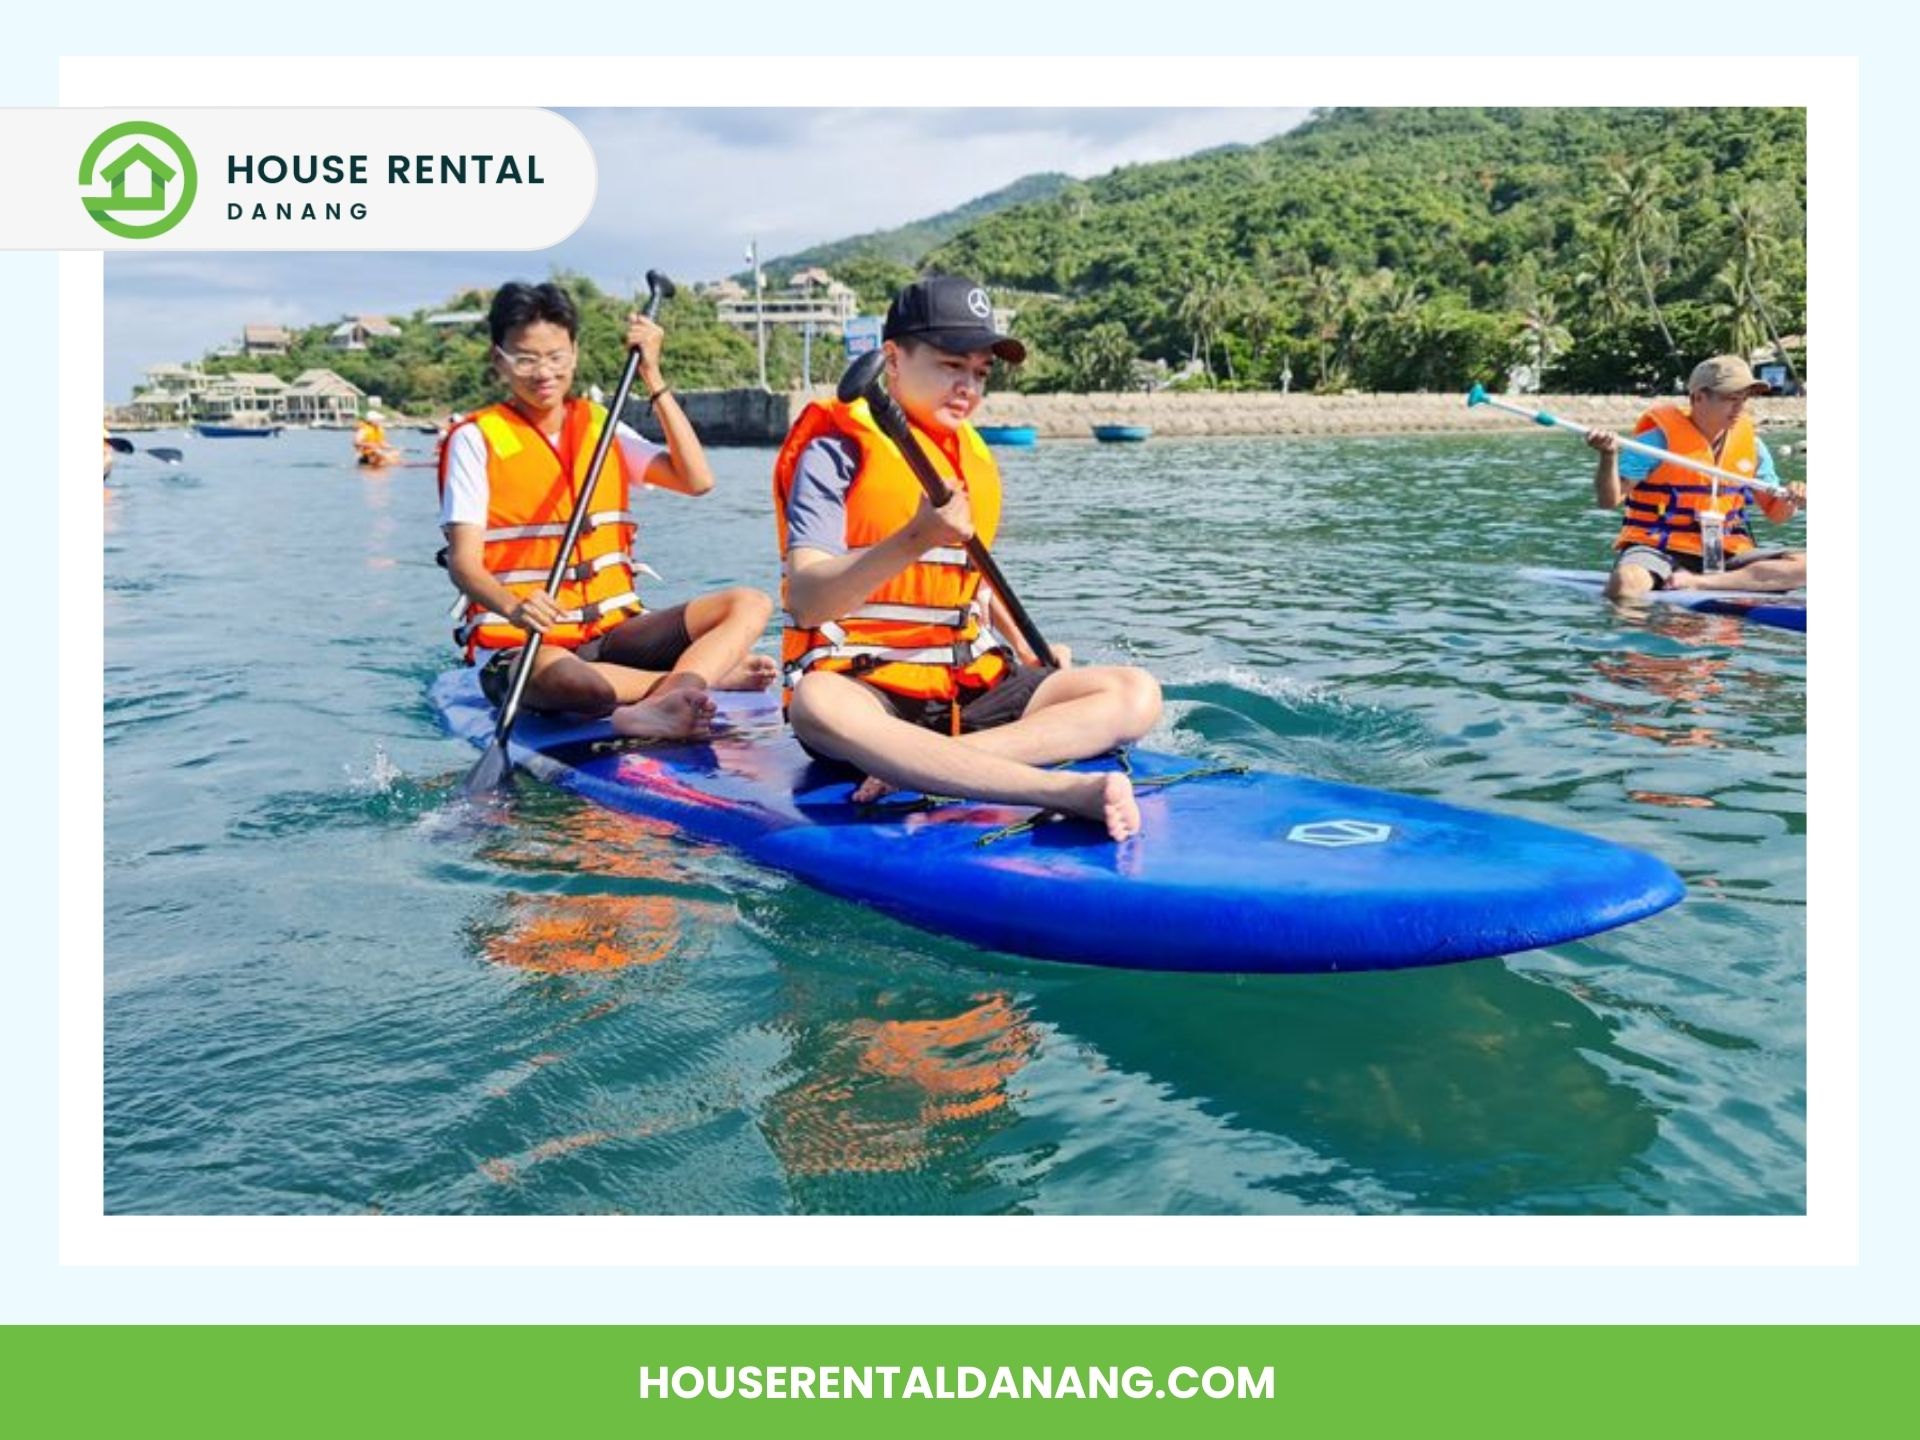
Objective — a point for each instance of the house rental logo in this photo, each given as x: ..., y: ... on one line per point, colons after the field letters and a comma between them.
x: 151, y: 174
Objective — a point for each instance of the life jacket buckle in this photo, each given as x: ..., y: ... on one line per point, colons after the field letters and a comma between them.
x: 863, y: 664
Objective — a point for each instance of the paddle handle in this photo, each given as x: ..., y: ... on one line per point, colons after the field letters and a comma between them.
x: 1542, y: 417
x: 862, y: 381
x: 659, y: 287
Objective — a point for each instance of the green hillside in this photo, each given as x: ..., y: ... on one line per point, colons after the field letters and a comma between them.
x: 908, y: 244
x: 1424, y: 248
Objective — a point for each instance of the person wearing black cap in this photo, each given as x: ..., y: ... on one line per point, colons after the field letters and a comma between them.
x: 897, y: 659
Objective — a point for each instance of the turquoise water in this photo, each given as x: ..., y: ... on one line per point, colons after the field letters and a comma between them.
x: 332, y: 989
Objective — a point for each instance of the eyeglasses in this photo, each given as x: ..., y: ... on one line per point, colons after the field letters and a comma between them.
x: 527, y: 366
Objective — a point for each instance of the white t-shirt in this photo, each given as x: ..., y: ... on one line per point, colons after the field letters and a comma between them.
x: 465, y: 500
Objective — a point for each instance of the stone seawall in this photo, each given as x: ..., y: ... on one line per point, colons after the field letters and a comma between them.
x: 1258, y: 413
x: 723, y: 417
x: 753, y: 417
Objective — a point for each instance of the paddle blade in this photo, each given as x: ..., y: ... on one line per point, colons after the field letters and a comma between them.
x: 120, y: 445
x: 492, y: 774
x: 1476, y: 396
x: 861, y: 376
x: 165, y: 454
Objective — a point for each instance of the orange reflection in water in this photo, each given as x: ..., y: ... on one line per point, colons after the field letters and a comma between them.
x: 1675, y: 802
x: 572, y: 934
x: 886, y: 1096
x: 1689, y: 682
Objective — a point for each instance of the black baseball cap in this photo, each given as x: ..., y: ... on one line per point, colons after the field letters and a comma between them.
x: 951, y: 313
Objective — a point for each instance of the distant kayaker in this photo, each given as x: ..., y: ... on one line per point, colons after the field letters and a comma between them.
x: 901, y: 665
x: 507, y: 478
x: 370, y: 446
x: 1660, y: 545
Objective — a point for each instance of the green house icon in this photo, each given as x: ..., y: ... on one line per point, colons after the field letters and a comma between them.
x: 140, y: 183
x: 159, y: 174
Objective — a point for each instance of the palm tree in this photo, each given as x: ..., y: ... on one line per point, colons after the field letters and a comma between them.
x: 1602, y: 278
x: 1206, y: 309
x: 1392, y: 307
x: 1542, y: 336
x: 1734, y: 314
x: 1756, y: 240
x: 1633, y: 192
x: 1325, y: 308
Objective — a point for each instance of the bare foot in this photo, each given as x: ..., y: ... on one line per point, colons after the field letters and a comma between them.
x: 680, y: 714
x: 1109, y: 800
x: 756, y: 672
x: 871, y: 790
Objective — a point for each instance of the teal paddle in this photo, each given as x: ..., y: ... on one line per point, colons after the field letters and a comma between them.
x: 1478, y: 396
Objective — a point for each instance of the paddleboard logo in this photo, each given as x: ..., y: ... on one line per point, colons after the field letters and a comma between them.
x: 978, y: 303
x: 1338, y: 834
x: 149, y: 174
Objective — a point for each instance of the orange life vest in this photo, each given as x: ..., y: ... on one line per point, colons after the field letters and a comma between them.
x: 1662, y: 510
x: 530, y: 489
x: 923, y: 633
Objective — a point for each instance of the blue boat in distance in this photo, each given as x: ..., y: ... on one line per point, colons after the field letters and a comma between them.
x: 1121, y: 434
x: 236, y: 432
x: 1009, y: 434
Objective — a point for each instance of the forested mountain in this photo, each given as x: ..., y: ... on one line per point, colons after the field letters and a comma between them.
x: 1420, y: 248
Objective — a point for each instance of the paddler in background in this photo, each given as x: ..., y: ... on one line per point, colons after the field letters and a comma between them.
x: 370, y: 445
x: 508, y: 473
x: 1661, y: 544
x: 898, y: 661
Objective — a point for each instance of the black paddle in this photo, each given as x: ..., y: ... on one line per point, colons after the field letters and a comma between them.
x: 495, y: 768
x: 120, y: 445
x: 862, y: 382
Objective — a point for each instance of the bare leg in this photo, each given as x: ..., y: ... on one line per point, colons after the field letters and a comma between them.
x: 723, y: 627
x: 563, y: 681
x: 1630, y: 582
x: 1073, y: 714
x: 1783, y: 572
x: 842, y: 718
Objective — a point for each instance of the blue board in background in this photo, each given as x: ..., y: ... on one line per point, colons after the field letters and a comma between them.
x: 1253, y: 872
x: 1784, y: 610
x: 1121, y: 434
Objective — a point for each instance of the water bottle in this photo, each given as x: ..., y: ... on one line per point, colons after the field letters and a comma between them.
x: 1713, y: 550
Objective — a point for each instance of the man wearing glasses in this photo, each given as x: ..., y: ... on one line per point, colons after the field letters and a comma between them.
x: 900, y: 663
x: 1664, y: 543
x: 508, y: 476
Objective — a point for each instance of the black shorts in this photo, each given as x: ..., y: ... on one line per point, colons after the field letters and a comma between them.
x: 651, y: 640
x: 1661, y: 564
x: 1001, y: 704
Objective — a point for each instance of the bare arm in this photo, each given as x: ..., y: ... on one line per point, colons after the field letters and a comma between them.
x: 1608, y: 492
x: 822, y: 587
x: 684, y: 467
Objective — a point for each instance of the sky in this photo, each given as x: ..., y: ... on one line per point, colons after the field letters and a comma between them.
x: 681, y: 191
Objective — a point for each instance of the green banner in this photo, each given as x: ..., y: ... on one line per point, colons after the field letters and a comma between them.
x: 953, y: 1380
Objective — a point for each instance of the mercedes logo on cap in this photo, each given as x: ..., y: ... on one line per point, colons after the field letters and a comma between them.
x: 978, y: 303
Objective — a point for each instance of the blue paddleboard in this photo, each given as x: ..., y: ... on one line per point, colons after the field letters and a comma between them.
x: 1246, y: 872
x: 1786, y: 610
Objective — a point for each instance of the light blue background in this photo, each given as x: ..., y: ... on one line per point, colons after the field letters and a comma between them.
x: 33, y: 1288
